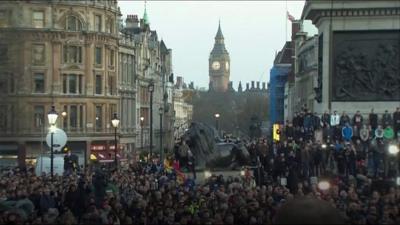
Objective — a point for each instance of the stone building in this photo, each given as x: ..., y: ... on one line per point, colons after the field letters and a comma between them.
x: 61, y: 53
x: 77, y: 56
x: 358, y: 55
x: 153, y: 62
x: 183, y: 109
x: 127, y: 93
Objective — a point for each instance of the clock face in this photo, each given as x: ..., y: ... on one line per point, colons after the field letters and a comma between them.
x: 215, y: 65
x: 227, y: 65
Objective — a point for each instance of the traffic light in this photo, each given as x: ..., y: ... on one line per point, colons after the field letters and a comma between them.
x: 276, y: 132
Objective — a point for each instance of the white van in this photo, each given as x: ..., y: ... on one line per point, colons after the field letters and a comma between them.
x: 43, y: 164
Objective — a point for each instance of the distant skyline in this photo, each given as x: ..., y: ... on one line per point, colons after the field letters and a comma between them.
x: 253, y: 31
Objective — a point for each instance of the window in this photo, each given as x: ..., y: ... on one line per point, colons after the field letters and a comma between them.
x: 73, y: 24
x: 65, y: 119
x: 113, y: 109
x: 144, y: 95
x: 111, y: 85
x: 72, y: 84
x: 38, y: 54
x: 72, y: 54
x: 38, y: 116
x: 110, y: 26
x: 81, y: 116
x: 98, y: 56
x: 111, y: 59
x: 99, y: 117
x: 73, y: 116
x: 99, y: 84
x: 38, y: 19
x: 38, y: 83
x: 3, y: 18
x: 3, y: 53
x: 97, y: 23
x: 145, y: 113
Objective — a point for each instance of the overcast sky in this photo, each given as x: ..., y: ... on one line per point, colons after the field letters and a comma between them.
x: 253, y: 31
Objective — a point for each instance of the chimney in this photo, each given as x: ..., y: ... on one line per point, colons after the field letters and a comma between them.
x: 247, y: 86
x: 258, y: 85
x: 179, y: 82
x: 296, y: 27
x: 263, y: 85
x: 252, y: 85
x: 132, y: 21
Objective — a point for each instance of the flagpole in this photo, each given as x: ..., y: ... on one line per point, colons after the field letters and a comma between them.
x: 286, y: 19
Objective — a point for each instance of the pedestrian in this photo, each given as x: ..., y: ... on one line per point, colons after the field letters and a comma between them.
x: 373, y: 120
x: 358, y: 119
x: 386, y: 119
x: 396, y: 121
x: 347, y: 132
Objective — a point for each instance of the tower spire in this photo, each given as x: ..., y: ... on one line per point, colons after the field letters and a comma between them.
x: 145, y: 17
x: 219, y: 32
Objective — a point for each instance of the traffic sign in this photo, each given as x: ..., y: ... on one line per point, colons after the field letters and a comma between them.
x: 59, y: 139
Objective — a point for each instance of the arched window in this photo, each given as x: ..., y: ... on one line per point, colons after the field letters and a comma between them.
x: 110, y: 26
x: 73, y: 23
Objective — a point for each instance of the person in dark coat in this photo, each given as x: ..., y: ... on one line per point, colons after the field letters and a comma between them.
x: 396, y: 121
x: 344, y: 119
x: 47, y: 201
x: 71, y: 199
x: 358, y: 120
x: 326, y: 119
x: 373, y: 120
x: 386, y: 119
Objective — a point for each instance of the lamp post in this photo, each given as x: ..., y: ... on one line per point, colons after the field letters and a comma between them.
x: 217, y: 122
x: 151, y: 90
x: 52, y: 117
x: 115, y: 123
x: 161, y: 134
x: 141, y: 131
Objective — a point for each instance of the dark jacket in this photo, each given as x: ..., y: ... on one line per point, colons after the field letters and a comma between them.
x: 373, y: 120
x: 46, y: 202
x: 386, y: 120
x: 326, y: 119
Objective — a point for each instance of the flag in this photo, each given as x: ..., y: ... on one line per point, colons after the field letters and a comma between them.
x: 290, y: 17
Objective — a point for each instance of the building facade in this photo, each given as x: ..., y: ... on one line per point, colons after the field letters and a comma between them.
x: 153, y: 65
x: 78, y: 57
x: 219, y: 64
x: 127, y: 93
x: 306, y: 63
x: 183, y: 109
x: 61, y: 53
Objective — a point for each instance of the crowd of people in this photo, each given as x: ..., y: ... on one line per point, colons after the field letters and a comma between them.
x: 356, y: 164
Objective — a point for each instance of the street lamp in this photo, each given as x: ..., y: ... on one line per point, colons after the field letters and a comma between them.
x: 52, y: 117
x: 216, y: 121
x: 161, y: 133
x: 115, y: 123
x: 151, y: 90
x: 141, y: 131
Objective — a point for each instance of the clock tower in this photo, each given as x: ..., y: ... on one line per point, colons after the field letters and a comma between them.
x: 219, y: 64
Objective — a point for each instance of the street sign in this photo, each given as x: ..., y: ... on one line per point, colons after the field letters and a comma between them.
x: 59, y: 139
